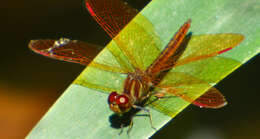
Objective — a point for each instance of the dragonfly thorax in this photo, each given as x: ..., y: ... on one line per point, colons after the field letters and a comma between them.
x: 135, y: 91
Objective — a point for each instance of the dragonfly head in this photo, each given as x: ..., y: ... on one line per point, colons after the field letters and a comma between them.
x: 119, y: 103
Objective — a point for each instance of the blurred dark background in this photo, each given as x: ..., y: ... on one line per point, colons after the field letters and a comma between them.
x: 30, y: 83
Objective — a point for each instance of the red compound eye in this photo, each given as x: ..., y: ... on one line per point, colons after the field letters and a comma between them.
x: 112, y: 97
x: 122, y: 100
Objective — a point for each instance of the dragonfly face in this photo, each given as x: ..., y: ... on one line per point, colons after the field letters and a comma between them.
x: 119, y: 103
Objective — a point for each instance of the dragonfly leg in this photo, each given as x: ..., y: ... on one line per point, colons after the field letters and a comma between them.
x: 130, y: 127
x: 122, y: 129
x: 148, y: 111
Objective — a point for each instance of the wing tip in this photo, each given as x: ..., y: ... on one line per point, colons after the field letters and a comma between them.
x: 31, y: 44
x: 212, y: 107
x: 241, y: 37
x: 189, y: 21
x: 220, y: 105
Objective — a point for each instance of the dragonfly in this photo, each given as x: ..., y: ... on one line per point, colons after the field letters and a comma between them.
x: 153, y: 78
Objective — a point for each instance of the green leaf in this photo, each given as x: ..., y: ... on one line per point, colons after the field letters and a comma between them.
x: 82, y: 112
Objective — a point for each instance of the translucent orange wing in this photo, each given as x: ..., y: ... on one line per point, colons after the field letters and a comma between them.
x: 66, y: 50
x: 170, y: 52
x: 180, y: 88
x: 72, y: 51
x: 183, y: 49
x: 198, y: 47
x: 205, y: 46
x: 211, y: 99
x: 112, y: 15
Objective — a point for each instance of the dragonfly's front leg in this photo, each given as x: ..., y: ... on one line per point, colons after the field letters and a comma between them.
x: 130, y: 127
x: 149, y: 114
